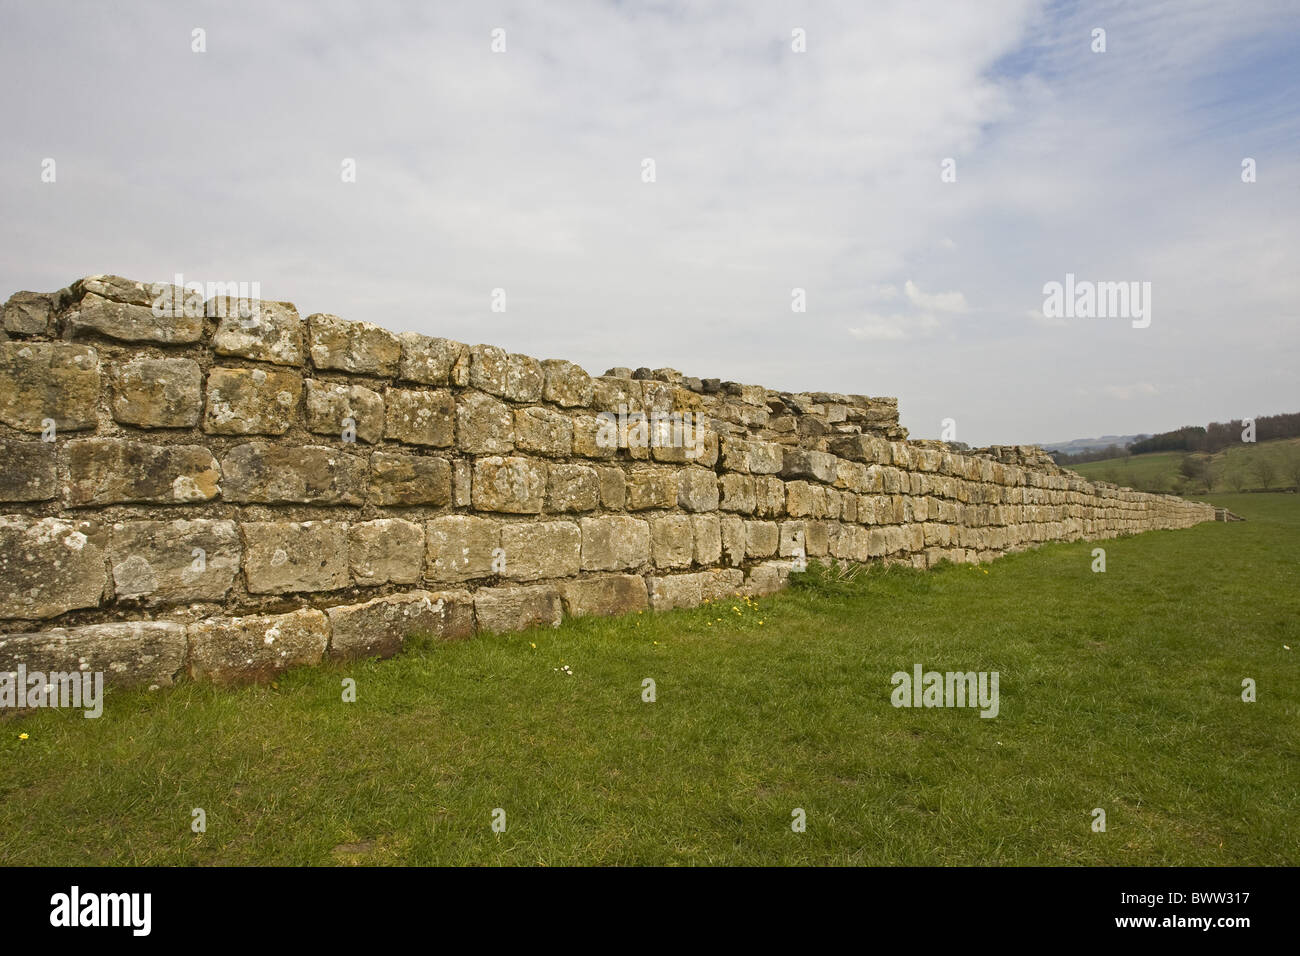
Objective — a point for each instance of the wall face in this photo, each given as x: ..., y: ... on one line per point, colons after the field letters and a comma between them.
x: 226, y: 496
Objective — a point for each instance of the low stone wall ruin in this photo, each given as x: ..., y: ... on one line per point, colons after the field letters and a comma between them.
x: 223, y: 495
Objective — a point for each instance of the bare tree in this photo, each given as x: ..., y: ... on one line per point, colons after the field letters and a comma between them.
x: 1237, y: 479
x: 1265, y: 470
x: 1291, y: 466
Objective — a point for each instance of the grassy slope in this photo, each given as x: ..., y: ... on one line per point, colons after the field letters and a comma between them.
x: 1159, y: 471
x: 1118, y: 690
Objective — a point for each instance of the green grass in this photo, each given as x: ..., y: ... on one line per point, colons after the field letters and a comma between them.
x: 1235, y: 465
x: 1119, y: 690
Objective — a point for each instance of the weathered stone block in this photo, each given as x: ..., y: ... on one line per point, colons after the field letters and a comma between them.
x: 419, y: 416
x: 803, y: 463
x: 28, y: 313
x: 706, y: 530
x: 733, y: 540
x: 251, y: 401
x: 500, y: 610
x: 257, y: 647
x: 133, y: 323
x: 672, y: 541
x: 129, y: 654
x: 380, y: 628
x: 330, y: 406
x: 512, y: 485
x: 594, y: 438
x: 697, y: 489
x: 614, y: 543
x: 49, y: 566
x: 386, y: 550
x: 460, y: 548
x: 769, y: 496
x: 718, y: 584
x: 604, y: 596
x: 28, y: 473
x: 612, y: 394
x: 737, y: 493
x: 572, y: 488
x: 484, y: 426
x: 651, y: 487
x: 273, y: 333
x: 677, y: 590
x: 286, y: 556
x: 613, y: 488
x: 524, y: 379
x: 357, y: 347
x: 104, y: 471
x: 433, y: 361
x: 399, y: 479
x: 489, y: 369
x: 174, y: 562
x: 768, y: 578
x: 761, y: 538
x: 547, y: 549
x: 133, y: 292
x: 48, y: 380
x: 543, y: 431
x: 310, y: 474
x: 567, y: 384
x: 157, y: 392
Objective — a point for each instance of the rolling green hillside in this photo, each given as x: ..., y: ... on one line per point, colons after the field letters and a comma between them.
x: 1244, y: 467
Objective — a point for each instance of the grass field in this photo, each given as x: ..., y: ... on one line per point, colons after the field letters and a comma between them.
x: 1119, y: 691
x: 1235, y: 468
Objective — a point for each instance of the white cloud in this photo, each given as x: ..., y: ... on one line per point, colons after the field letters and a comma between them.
x: 776, y: 170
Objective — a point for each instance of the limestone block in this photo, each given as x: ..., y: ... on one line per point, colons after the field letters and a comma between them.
x: 256, y: 647
x: 402, y: 479
x: 460, y: 548
x: 251, y: 401
x: 128, y: 654
x: 49, y: 566
x: 572, y: 488
x: 384, y: 551
x: 544, y: 432
x: 283, y: 557
x: 330, y: 407
x: 57, y: 381
x: 263, y: 473
x: 484, y: 426
x: 545, y: 549
x: 105, y: 471
x: 133, y: 323
x: 174, y: 562
x: 28, y: 473
x: 500, y: 610
x: 567, y: 385
x: 272, y: 333
x: 157, y: 393
x: 433, y: 361
x: 512, y: 485
x: 357, y: 347
x: 604, y: 595
x: 614, y: 543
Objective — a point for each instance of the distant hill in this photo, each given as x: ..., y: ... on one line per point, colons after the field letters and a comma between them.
x: 1079, y: 445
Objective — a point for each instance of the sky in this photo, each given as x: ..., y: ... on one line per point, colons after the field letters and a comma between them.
x: 921, y: 171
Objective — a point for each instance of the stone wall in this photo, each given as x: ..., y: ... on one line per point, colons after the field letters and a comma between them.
x: 224, y: 495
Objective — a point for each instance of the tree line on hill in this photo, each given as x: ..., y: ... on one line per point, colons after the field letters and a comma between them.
x: 1210, y: 438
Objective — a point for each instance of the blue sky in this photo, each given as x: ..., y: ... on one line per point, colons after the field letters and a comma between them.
x: 775, y: 170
